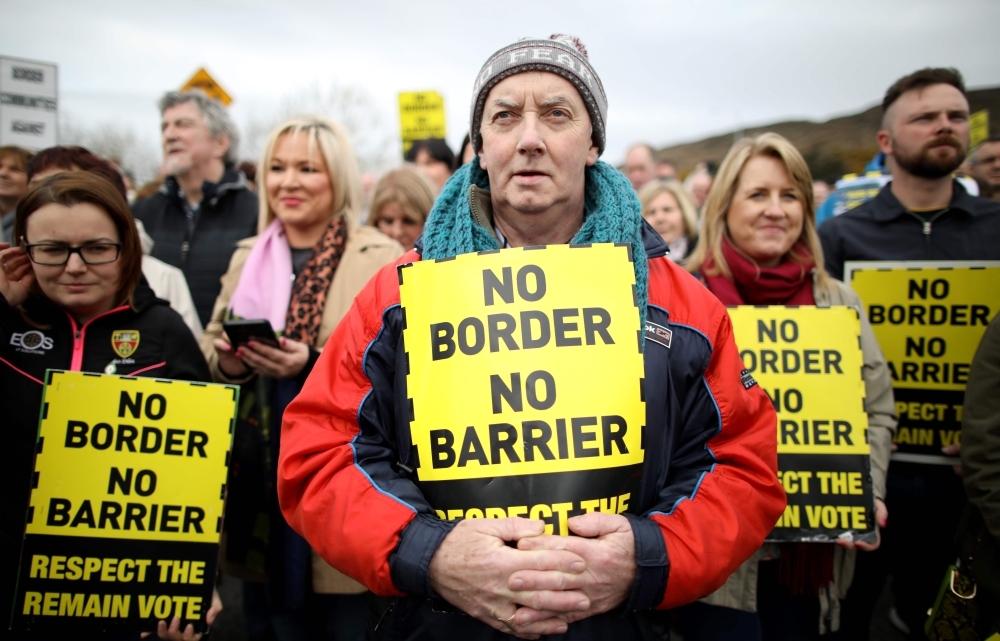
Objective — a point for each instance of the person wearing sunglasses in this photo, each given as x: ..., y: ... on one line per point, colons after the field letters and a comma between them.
x: 72, y: 298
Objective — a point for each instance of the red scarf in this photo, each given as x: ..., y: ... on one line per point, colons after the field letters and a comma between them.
x: 790, y: 283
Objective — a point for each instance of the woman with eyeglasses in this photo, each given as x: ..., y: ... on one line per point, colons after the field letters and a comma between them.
x: 73, y: 282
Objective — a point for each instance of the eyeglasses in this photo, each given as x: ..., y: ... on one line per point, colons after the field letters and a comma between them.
x: 92, y: 253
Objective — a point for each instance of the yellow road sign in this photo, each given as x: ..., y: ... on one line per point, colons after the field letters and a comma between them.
x: 202, y: 80
x: 421, y: 115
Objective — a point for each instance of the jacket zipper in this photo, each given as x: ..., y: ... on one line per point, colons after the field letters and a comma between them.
x: 80, y: 335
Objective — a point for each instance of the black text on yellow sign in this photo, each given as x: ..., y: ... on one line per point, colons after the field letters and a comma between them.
x: 509, y: 356
x: 928, y: 319
x: 421, y: 116
x: 128, y: 489
x: 809, y: 361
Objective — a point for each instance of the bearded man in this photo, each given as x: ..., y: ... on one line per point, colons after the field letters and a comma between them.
x: 922, y: 214
x: 351, y: 482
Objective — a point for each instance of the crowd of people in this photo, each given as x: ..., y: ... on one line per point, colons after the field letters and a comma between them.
x: 323, y: 510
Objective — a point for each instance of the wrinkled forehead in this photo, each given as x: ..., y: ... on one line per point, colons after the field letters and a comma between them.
x: 183, y: 110
x: 932, y: 98
x: 534, y: 89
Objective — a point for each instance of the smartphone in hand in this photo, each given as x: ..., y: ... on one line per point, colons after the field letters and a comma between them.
x: 241, y: 332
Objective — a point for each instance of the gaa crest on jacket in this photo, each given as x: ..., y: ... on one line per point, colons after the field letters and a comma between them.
x: 125, y: 342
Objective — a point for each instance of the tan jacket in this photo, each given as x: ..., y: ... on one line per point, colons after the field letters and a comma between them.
x: 740, y: 591
x: 367, y: 251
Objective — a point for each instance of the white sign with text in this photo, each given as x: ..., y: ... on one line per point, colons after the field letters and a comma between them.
x: 29, y: 103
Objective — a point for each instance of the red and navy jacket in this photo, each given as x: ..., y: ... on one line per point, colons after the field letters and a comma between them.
x: 710, y: 492
x: 41, y: 336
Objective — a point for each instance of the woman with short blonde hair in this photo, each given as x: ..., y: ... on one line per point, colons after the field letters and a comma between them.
x: 759, y: 247
x: 400, y: 204
x: 667, y: 206
x: 331, y: 141
x: 301, y: 274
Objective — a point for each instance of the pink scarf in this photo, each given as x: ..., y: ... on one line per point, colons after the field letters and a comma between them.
x: 265, y: 286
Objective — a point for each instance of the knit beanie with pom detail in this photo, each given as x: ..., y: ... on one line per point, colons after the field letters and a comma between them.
x: 559, y: 54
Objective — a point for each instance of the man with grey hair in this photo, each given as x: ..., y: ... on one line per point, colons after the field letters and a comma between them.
x: 640, y: 165
x: 204, y: 206
x: 985, y: 162
x: 478, y: 547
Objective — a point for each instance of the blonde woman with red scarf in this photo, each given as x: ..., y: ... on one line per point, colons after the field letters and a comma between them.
x: 759, y: 247
x: 301, y: 272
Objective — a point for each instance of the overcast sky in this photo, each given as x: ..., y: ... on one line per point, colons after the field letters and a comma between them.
x: 674, y: 70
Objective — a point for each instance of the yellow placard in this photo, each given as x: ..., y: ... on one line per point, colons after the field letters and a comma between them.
x: 131, y: 458
x: 523, y: 361
x: 809, y: 361
x: 421, y: 115
x: 202, y: 80
x: 979, y: 127
x: 928, y: 319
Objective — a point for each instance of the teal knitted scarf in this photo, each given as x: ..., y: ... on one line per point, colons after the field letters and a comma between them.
x: 612, y: 214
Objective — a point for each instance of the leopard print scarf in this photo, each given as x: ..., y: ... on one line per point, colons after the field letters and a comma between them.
x: 305, y: 309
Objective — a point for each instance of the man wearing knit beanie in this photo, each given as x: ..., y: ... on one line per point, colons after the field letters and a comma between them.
x: 349, y: 474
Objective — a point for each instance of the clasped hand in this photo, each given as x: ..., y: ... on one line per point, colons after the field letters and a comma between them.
x: 547, y: 582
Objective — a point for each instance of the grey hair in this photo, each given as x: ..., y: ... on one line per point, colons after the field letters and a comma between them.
x: 216, y: 117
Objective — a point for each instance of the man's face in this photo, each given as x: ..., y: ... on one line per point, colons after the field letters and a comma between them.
x: 536, y: 142
x: 986, y: 164
x: 639, y: 167
x: 187, y: 140
x: 927, y: 131
x: 666, y: 171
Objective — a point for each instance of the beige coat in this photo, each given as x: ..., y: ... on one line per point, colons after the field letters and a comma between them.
x: 367, y: 251
x: 740, y: 591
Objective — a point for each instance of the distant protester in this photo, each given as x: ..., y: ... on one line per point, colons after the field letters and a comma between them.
x: 13, y: 185
x: 205, y: 205
x: 985, y: 164
x: 249, y: 169
x: 400, y: 205
x: 821, y: 191
x: 640, y: 165
x: 666, y: 170
x: 166, y: 281
x: 465, y: 152
x: 697, y: 184
x: 670, y: 211
x: 434, y: 159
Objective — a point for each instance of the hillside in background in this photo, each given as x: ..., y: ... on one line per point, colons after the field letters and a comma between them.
x: 832, y: 148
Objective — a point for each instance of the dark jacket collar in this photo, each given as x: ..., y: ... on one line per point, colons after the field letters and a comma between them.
x: 887, y: 206
x: 482, y: 210
x: 232, y: 180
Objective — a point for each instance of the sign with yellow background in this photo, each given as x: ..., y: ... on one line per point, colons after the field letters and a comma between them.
x: 126, y: 503
x: 979, y: 127
x: 928, y: 318
x: 421, y: 115
x: 525, y: 378
x: 204, y: 81
x: 808, y: 360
